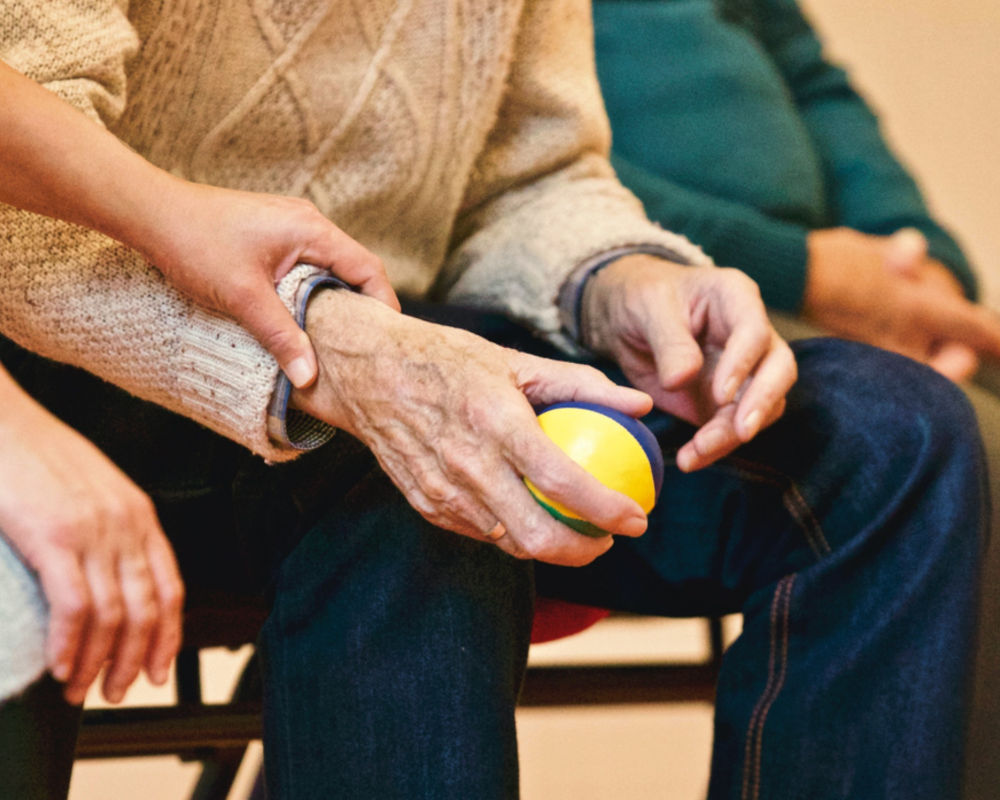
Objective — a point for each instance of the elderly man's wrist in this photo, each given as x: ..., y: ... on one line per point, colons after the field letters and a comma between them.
x: 572, y: 294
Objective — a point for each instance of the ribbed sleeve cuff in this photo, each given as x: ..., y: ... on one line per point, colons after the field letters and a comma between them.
x: 228, y: 378
x: 288, y: 427
x: 527, y: 247
x: 571, y: 294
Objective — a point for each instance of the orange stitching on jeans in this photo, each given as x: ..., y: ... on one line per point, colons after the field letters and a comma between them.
x: 797, y: 506
x: 781, y: 681
x: 760, y: 702
x: 775, y: 682
x: 791, y: 498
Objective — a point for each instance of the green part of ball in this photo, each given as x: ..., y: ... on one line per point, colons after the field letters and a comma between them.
x: 579, y: 525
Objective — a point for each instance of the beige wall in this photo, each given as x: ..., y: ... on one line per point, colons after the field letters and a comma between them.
x: 931, y: 68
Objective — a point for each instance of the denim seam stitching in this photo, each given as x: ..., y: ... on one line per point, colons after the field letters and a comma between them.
x: 775, y: 683
x: 791, y: 497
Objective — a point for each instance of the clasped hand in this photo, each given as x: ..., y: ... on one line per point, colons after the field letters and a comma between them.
x: 887, y: 291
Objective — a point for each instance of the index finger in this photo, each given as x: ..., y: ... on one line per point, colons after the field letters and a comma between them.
x: 571, y: 493
x: 773, y: 378
x: 961, y: 321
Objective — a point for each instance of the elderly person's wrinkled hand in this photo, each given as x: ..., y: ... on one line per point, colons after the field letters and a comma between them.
x: 698, y: 341
x: 449, y: 417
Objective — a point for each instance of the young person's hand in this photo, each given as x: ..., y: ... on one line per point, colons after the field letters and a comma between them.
x: 886, y: 291
x: 106, y: 569
x: 698, y: 341
x: 227, y: 249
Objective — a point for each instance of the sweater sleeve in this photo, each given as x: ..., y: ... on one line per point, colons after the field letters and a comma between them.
x: 543, y: 197
x: 769, y: 250
x: 76, y: 296
x: 868, y: 189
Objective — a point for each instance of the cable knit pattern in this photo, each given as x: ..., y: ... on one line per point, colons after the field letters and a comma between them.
x: 403, y: 120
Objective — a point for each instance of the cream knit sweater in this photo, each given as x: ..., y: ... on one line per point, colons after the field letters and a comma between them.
x: 464, y: 141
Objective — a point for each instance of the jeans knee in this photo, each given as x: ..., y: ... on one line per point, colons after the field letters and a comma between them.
x: 884, y: 438
x: 885, y: 401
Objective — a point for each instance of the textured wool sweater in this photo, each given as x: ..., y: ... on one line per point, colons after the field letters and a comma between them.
x: 733, y: 128
x: 463, y: 141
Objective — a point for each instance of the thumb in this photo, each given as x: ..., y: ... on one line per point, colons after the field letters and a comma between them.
x: 955, y: 361
x: 904, y: 251
x: 273, y: 326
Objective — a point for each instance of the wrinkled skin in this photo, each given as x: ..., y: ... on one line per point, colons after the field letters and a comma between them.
x: 449, y: 414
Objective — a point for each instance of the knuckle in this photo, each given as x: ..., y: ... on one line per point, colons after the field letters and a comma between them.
x: 422, y: 506
x: 116, y: 512
x: 72, y: 607
x: 143, y: 507
x: 305, y: 206
x: 143, y: 618
x: 143, y: 609
x: 438, y: 490
x: 65, y: 530
x: 555, y: 483
x: 458, y: 461
x: 168, y: 645
x: 110, y: 615
x: 791, y: 364
x: 739, y: 280
x: 287, y: 337
x: 375, y: 263
x: 172, y: 598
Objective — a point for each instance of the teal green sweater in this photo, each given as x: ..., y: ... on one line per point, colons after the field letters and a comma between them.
x: 733, y: 129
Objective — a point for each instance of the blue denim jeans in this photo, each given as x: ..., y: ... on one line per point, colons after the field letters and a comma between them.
x: 848, y: 535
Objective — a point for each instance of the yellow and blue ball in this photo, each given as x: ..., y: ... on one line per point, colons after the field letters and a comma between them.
x: 615, y: 448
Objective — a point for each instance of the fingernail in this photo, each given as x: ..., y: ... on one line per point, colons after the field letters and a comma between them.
x: 634, y: 526
x: 729, y: 390
x: 299, y: 372
x: 751, y: 424
x: 685, y: 460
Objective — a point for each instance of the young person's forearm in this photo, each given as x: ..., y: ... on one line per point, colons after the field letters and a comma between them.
x: 55, y: 161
